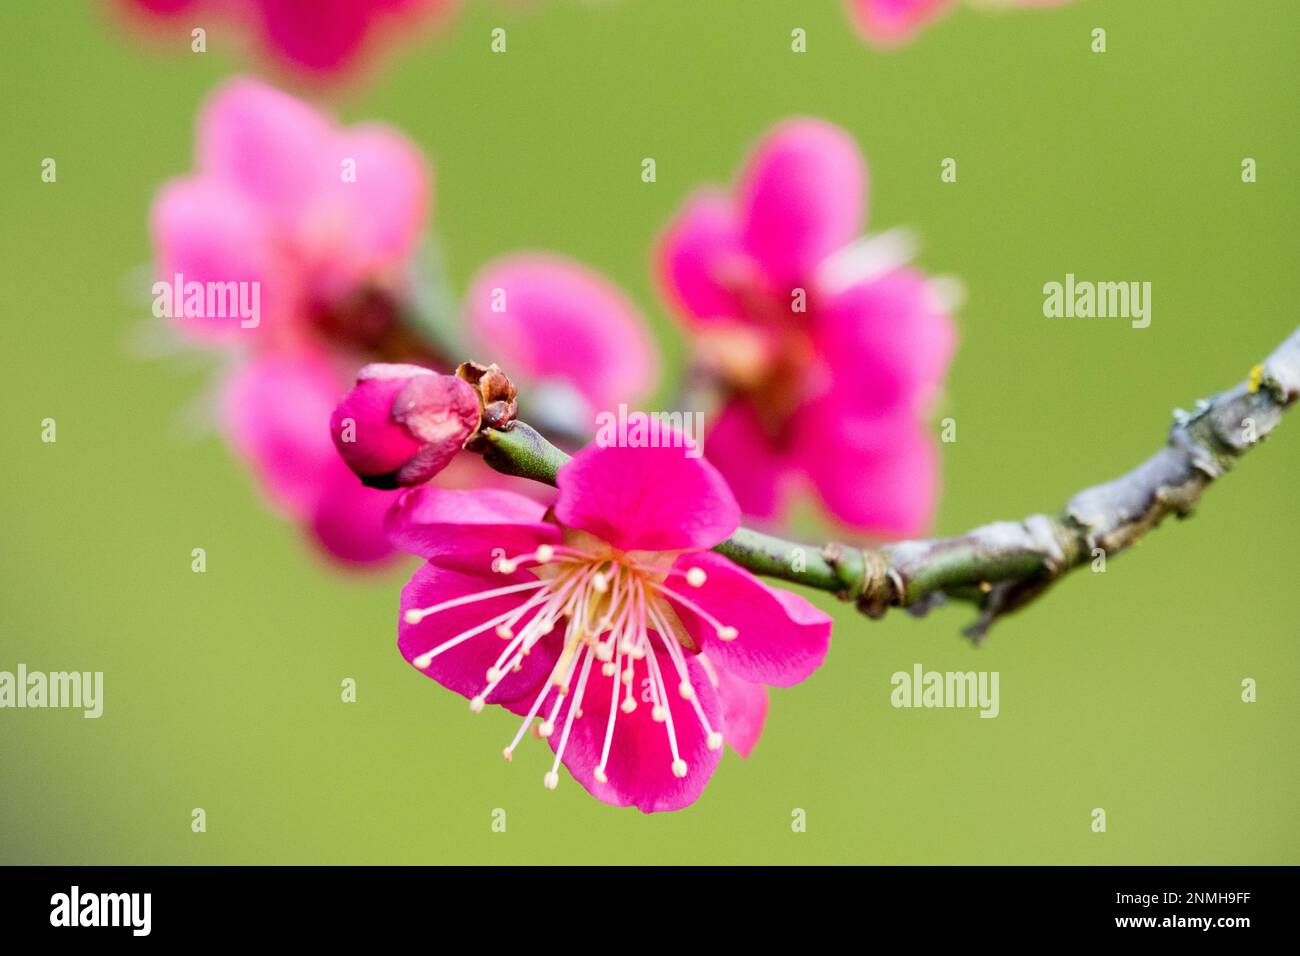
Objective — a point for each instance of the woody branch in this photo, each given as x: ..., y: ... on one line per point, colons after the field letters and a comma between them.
x: 1003, y: 566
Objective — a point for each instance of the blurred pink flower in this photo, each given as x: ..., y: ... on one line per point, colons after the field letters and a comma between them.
x: 318, y: 38
x: 321, y: 221
x: 608, y: 617
x: 563, y: 327
x: 890, y: 22
x: 324, y: 221
x: 827, y: 354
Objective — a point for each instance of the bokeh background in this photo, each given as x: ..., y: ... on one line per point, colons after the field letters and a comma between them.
x: 1119, y: 691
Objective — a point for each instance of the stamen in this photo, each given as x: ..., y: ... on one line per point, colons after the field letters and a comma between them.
x: 696, y: 577
x: 657, y: 686
x: 712, y: 738
x: 425, y: 659
x: 609, y: 726
x: 416, y: 615
x: 532, y: 714
x: 724, y: 632
x: 573, y: 711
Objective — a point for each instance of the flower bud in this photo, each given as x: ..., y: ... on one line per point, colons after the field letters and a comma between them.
x: 401, y: 424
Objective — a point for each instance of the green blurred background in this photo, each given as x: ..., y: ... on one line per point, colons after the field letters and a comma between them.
x: 1119, y: 691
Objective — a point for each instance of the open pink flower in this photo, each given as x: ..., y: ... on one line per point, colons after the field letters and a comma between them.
x: 315, y: 225
x: 606, y: 618
x: 890, y: 22
x: 827, y: 353
x: 323, y: 218
x: 318, y: 38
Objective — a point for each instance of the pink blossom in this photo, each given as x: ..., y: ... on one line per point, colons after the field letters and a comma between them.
x: 827, y: 353
x: 890, y: 22
x: 322, y: 221
x: 323, y: 218
x: 606, y: 618
x: 316, y: 38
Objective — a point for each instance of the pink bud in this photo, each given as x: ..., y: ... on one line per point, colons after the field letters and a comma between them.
x: 401, y: 424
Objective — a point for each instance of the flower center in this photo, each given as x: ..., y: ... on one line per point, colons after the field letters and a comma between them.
x: 767, y: 359
x: 616, y: 609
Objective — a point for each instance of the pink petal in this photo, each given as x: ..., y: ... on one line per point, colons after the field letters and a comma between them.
x: 468, y: 529
x: 463, y: 668
x: 274, y: 148
x: 653, y: 499
x: 387, y: 205
x: 329, y: 36
x: 323, y: 35
x: 744, y: 708
x: 697, y: 254
x: 802, y: 196
x: 207, y: 232
x: 781, y: 638
x: 562, y: 321
x: 880, y: 477
x: 887, y: 345
x: 756, y: 472
x: 276, y: 412
x: 377, y: 444
x: 349, y: 517
x: 639, y: 770
x: 889, y: 22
